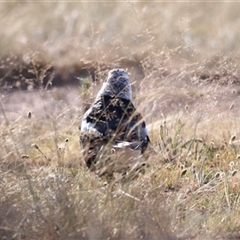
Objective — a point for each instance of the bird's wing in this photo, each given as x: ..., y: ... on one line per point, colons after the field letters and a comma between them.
x: 115, y: 117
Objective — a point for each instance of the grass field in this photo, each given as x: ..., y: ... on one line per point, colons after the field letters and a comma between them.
x: 183, y: 58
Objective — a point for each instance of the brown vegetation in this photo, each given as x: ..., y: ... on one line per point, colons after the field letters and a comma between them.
x: 183, y: 61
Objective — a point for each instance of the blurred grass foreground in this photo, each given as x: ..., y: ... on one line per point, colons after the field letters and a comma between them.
x: 183, y: 58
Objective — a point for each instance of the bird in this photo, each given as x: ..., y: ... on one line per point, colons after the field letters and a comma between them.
x: 112, y: 121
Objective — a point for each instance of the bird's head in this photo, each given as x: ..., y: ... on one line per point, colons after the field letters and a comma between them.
x: 117, y: 84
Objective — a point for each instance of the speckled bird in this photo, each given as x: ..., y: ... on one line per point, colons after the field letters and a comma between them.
x: 112, y: 120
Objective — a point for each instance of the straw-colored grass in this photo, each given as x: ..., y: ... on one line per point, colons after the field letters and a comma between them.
x: 183, y: 62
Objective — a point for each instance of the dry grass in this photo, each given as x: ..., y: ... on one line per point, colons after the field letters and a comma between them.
x: 183, y: 61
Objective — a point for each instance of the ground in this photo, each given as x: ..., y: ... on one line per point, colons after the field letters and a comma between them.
x: 184, y: 65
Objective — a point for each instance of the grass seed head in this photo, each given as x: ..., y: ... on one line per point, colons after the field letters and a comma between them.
x: 233, y: 138
x: 183, y: 172
x: 234, y: 172
x: 231, y: 107
x: 34, y: 145
x: 29, y: 116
